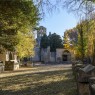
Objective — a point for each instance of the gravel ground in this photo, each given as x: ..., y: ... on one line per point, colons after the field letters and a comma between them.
x: 39, y: 80
x: 36, y: 69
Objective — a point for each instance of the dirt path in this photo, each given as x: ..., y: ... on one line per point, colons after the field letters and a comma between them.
x: 36, y: 69
x: 40, y: 80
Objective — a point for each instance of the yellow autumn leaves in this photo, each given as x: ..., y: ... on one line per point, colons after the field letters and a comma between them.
x: 26, y: 44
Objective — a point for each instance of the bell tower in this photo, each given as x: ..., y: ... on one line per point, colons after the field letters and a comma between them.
x: 41, y: 31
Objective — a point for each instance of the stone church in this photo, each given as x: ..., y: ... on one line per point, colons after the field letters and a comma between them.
x: 44, y: 55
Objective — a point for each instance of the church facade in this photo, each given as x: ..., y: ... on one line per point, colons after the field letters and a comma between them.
x: 44, y: 55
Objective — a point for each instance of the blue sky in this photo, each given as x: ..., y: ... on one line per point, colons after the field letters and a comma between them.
x: 59, y: 21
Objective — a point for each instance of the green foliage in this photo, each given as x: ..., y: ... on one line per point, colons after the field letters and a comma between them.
x: 91, y: 39
x: 26, y: 44
x: 84, y: 44
x: 44, y: 41
x: 71, y: 35
x: 8, y: 42
x: 70, y: 38
x: 16, y: 16
x: 55, y: 42
x: 78, y: 38
x: 82, y: 39
x: 17, y: 19
x: 66, y: 40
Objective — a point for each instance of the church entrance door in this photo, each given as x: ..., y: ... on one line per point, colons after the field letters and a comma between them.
x: 66, y: 55
x: 64, y: 58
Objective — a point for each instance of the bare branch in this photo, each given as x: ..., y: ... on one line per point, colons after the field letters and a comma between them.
x: 77, y: 6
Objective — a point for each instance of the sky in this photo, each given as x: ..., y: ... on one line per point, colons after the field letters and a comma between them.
x: 59, y: 21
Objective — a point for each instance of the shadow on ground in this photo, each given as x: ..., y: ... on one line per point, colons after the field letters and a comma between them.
x: 44, y: 83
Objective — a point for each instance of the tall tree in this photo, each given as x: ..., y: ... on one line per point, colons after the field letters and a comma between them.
x: 91, y: 39
x: 26, y: 45
x: 16, y: 16
x: 71, y: 36
x: 81, y: 44
x: 55, y: 42
x: 78, y: 37
x: 44, y: 41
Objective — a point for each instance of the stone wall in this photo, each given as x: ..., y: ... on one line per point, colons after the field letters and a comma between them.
x: 45, y: 55
x: 37, y: 55
x: 11, y: 66
x: 3, y: 57
x: 59, y: 53
x: 1, y: 68
x: 52, y: 56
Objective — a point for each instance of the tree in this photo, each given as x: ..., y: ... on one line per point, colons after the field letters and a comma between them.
x: 55, y: 42
x: 66, y: 40
x: 16, y: 17
x: 44, y: 41
x: 91, y: 39
x: 71, y: 35
x: 82, y: 41
x: 26, y: 45
x: 72, y: 5
x: 78, y: 38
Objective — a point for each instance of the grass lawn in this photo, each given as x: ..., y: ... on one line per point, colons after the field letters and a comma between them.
x: 58, y: 82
